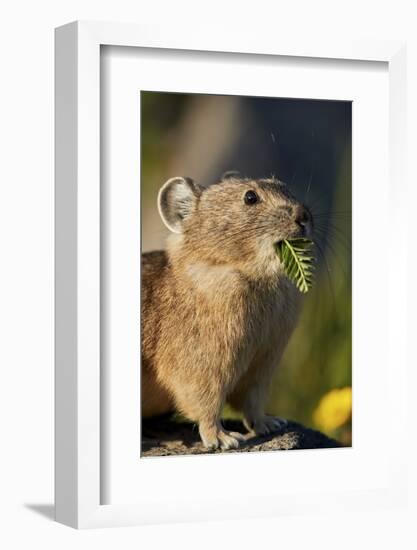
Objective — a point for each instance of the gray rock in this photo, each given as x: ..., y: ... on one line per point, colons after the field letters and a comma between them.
x: 165, y: 437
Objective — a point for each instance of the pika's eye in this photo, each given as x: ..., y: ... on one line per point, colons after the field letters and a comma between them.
x: 251, y: 197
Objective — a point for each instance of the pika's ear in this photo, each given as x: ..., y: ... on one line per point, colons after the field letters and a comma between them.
x: 230, y: 174
x: 176, y: 200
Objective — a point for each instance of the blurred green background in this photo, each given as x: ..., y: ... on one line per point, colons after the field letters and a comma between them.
x: 307, y: 144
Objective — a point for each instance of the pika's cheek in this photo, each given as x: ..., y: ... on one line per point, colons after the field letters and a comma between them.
x: 265, y: 250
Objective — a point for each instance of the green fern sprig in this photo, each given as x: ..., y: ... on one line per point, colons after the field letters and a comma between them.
x: 298, y: 262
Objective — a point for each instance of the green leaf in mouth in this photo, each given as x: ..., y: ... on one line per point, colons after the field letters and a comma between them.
x: 298, y: 261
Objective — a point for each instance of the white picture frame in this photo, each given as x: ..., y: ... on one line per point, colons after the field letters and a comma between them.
x: 78, y: 292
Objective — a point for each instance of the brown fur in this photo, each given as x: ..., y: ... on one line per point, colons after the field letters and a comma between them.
x: 217, y: 310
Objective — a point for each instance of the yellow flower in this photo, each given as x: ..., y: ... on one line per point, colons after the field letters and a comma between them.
x: 334, y: 409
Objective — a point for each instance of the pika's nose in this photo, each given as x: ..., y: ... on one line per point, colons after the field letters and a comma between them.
x: 301, y: 216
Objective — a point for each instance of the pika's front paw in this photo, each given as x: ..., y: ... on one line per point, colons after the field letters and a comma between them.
x: 265, y: 425
x: 220, y: 438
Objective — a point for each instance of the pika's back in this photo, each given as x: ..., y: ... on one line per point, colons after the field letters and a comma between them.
x: 154, y: 265
x: 154, y: 274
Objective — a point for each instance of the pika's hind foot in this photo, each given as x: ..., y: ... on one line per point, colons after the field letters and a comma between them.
x: 265, y: 425
x: 220, y: 438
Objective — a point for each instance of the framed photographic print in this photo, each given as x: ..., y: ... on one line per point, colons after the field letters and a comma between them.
x: 218, y: 275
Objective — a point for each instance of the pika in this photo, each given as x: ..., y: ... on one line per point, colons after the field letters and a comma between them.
x: 217, y: 308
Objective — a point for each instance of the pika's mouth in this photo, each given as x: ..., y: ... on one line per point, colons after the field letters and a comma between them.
x: 302, y: 232
x: 277, y: 245
x: 293, y: 235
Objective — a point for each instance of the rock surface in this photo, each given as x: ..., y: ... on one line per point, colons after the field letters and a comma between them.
x: 164, y: 437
